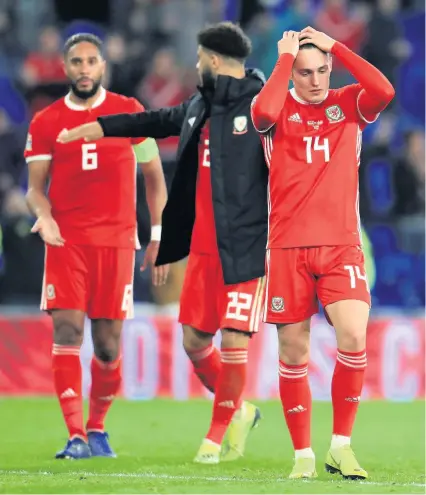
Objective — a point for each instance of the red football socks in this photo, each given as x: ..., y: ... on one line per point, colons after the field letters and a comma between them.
x: 106, y: 381
x: 228, y: 391
x: 67, y: 380
x: 207, y: 365
x: 346, y: 388
x: 296, y: 400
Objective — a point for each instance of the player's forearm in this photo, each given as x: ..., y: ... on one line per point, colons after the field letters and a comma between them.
x: 270, y: 101
x: 123, y: 125
x: 38, y: 203
x: 157, y: 124
x: 377, y: 87
x: 156, y: 191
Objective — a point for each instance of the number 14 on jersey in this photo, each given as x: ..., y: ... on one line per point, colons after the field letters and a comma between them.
x: 314, y: 144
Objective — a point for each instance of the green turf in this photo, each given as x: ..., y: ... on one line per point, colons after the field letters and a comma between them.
x: 157, y: 440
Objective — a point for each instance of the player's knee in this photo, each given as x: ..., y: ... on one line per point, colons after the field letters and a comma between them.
x: 106, y: 336
x: 194, y: 340
x: 67, y: 333
x: 107, y: 352
x: 294, y: 353
x: 351, y: 339
x: 232, y: 339
x: 294, y: 343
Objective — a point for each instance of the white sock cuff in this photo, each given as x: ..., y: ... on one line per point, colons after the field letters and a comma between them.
x: 308, y: 452
x: 338, y: 441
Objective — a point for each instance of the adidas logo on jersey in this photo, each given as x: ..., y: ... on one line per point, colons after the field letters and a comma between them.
x: 68, y: 394
x: 295, y: 118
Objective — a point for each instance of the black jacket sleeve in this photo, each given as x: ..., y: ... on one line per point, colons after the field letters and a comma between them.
x: 157, y: 124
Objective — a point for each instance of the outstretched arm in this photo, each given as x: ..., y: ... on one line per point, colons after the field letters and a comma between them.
x: 268, y: 104
x: 157, y: 124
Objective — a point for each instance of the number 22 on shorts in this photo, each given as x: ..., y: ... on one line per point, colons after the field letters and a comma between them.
x: 89, y: 156
x: 238, y: 306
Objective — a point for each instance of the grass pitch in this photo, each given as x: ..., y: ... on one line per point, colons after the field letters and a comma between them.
x: 157, y: 440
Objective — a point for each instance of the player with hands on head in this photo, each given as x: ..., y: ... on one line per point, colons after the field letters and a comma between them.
x: 312, y: 139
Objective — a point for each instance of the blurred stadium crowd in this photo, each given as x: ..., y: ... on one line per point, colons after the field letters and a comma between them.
x: 151, y: 50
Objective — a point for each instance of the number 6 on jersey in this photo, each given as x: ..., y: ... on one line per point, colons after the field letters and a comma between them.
x: 89, y: 156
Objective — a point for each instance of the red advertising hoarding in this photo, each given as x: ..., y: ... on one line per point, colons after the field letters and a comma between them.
x: 155, y: 364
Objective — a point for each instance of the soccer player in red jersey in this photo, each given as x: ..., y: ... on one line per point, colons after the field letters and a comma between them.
x: 87, y: 220
x: 312, y: 142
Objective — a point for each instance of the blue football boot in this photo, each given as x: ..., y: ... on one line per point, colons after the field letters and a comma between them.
x: 99, y: 444
x: 75, y: 448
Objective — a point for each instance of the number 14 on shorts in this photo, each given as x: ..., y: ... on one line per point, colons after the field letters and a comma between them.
x: 355, y: 275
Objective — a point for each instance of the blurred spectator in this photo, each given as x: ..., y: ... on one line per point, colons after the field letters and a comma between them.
x: 15, y: 204
x: 266, y: 29
x: 409, y: 176
x: 42, y: 73
x: 12, y: 163
x: 385, y: 47
x: 123, y: 71
x: 45, y: 65
x: 23, y: 255
x: 163, y: 87
x: 144, y: 36
x: 23, y: 252
x: 376, y: 200
x: 31, y: 16
x: 296, y: 17
x: 181, y: 20
x: 10, y: 49
x: 264, y: 46
x: 343, y: 24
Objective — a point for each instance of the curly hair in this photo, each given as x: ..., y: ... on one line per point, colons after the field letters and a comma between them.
x: 227, y: 39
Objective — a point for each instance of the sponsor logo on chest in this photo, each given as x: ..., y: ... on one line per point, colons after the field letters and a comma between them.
x: 316, y: 124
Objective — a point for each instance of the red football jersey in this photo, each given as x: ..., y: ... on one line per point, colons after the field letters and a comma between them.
x: 204, y: 232
x: 92, y: 185
x: 313, y: 152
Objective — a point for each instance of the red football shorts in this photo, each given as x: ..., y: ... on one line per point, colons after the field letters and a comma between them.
x: 298, y: 277
x: 207, y: 304
x: 96, y: 280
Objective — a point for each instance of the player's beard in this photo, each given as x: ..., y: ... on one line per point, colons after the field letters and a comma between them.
x: 85, y: 94
x: 208, y: 79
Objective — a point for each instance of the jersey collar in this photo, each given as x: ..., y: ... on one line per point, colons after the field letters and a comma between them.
x: 73, y: 106
x: 303, y: 102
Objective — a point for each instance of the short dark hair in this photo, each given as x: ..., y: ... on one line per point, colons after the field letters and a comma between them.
x: 227, y: 39
x: 80, y: 38
x: 309, y: 46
